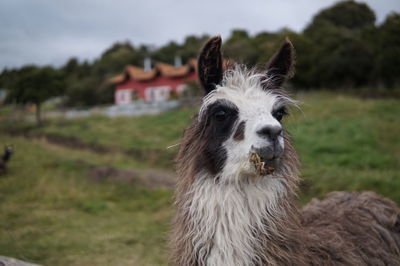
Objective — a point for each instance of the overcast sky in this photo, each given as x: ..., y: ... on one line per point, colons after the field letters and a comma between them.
x: 51, y: 31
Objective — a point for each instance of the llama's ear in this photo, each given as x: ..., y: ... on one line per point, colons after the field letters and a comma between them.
x: 281, y: 65
x: 210, y: 69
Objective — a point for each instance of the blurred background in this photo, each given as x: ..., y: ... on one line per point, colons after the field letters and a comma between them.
x: 95, y: 95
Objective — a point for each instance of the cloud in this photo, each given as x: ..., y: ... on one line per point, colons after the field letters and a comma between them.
x: 51, y: 31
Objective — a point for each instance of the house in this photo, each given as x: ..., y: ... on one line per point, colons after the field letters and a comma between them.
x: 153, y: 84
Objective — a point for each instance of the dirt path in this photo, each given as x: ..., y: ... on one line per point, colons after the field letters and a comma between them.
x: 147, y: 178
x: 149, y: 155
x: 143, y: 177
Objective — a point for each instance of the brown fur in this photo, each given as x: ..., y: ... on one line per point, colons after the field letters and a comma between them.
x: 210, y: 65
x: 239, y: 133
x: 180, y: 242
x: 357, y: 228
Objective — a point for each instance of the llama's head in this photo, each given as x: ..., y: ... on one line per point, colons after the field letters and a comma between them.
x: 241, y: 115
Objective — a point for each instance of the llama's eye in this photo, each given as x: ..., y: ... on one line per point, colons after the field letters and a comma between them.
x: 279, y: 114
x: 220, y: 115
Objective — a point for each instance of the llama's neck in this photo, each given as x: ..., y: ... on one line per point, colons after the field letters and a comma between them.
x: 238, y: 224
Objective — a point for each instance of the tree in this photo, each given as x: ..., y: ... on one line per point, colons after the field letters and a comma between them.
x: 167, y: 53
x: 114, y: 59
x: 240, y: 48
x: 35, y: 85
x: 71, y: 66
x: 345, y: 14
x: 191, y: 46
x: 388, y: 50
x: 341, y: 55
x: 304, y: 78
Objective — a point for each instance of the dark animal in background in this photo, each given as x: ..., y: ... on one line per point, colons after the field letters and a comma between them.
x: 238, y: 177
x: 8, y: 151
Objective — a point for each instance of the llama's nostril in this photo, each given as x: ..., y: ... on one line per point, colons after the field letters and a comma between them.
x: 270, y: 132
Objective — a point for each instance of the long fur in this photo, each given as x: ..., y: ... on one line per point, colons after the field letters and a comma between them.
x: 225, y: 220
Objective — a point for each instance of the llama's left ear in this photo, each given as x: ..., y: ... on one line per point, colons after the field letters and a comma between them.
x: 281, y: 66
x: 210, y: 69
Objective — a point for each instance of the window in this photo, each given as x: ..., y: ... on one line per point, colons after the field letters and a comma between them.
x: 134, y: 95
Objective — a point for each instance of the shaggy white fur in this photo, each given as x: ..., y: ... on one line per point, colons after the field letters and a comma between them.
x: 227, y: 219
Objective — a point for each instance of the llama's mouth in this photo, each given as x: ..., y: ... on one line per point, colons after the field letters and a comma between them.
x: 261, y: 166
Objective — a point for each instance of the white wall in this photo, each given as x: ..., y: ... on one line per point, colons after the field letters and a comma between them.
x: 157, y: 94
x: 123, y: 96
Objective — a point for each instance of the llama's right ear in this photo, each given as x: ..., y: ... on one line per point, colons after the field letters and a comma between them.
x: 210, y: 69
x: 281, y: 66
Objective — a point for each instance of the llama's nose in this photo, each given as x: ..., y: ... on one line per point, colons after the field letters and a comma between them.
x: 270, y: 132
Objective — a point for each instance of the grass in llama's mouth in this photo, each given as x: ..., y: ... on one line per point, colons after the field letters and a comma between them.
x: 259, y: 165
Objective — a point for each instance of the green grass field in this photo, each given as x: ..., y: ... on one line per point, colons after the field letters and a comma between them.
x: 53, y: 214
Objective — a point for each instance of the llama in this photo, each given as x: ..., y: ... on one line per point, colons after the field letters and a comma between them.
x: 8, y: 151
x: 238, y: 178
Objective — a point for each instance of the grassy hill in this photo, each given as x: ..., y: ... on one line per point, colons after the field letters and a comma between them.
x: 54, y: 214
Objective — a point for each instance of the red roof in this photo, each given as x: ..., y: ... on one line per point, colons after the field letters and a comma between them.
x: 162, y: 69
